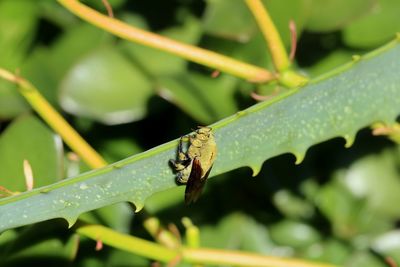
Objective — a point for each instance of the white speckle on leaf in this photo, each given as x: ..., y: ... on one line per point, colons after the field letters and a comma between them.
x: 83, y: 186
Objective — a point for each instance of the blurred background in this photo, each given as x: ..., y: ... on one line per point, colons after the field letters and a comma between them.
x: 338, y: 206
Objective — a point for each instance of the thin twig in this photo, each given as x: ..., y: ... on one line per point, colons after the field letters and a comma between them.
x: 108, y: 8
x: 293, y: 39
x: 271, y: 35
x: 28, y: 173
x: 55, y: 120
x: 161, y: 253
x: 189, y: 52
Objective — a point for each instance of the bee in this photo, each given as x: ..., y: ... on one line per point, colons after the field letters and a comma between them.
x: 194, y: 165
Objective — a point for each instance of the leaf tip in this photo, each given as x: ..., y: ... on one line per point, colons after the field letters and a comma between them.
x: 71, y: 221
x: 256, y: 169
x: 349, y: 138
x: 299, y: 157
x: 138, y: 205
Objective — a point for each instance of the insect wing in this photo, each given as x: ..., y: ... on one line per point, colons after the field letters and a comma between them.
x: 195, y: 182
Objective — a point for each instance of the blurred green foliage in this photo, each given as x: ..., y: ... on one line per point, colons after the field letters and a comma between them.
x: 339, y: 206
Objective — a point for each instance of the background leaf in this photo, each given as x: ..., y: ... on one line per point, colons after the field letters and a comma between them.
x: 29, y: 139
x: 323, y: 13
x: 343, y: 196
x: 375, y: 27
x: 109, y: 97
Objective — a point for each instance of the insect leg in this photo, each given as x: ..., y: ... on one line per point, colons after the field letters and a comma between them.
x: 183, y: 164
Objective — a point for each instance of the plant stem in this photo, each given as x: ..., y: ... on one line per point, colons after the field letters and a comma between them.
x: 160, y: 234
x: 193, y: 255
x: 271, y: 35
x: 189, y: 52
x: 192, y: 233
x: 55, y: 120
x: 128, y: 243
x: 238, y: 258
x: 276, y: 48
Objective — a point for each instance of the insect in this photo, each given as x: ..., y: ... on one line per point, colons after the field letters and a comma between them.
x: 194, y: 165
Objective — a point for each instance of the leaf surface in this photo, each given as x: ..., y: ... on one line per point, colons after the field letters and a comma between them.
x: 339, y: 104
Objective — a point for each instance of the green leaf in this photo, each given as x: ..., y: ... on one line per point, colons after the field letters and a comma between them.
x: 164, y: 199
x: 204, y: 98
x: 18, y: 20
x: 324, y: 16
x: 282, y: 12
x: 374, y: 28
x: 114, y: 149
x: 123, y: 258
x: 52, y: 12
x: 105, y: 87
x: 44, y: 77
x: 27, y: 138
x: 39, y: 243
x: 251, y: 52
x: 331, y: 61
x: 117, y: 216
x: 229, y: 19
x: 292, y: 206
x: 359, y: 200
x: 237, y: 231
x: 388, y: 244
x: 348, y: 214
x: 233, y: 19
x: 293, y: 234
x: 158, y: 63
x: 74, y: 45
x: 12, y: 103
x: 376, y: 179
x: 339, y: 104
x: 364, y: 259
x: 331, y: 250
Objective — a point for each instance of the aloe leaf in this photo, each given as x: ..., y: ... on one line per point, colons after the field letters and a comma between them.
x: 362, y: 92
